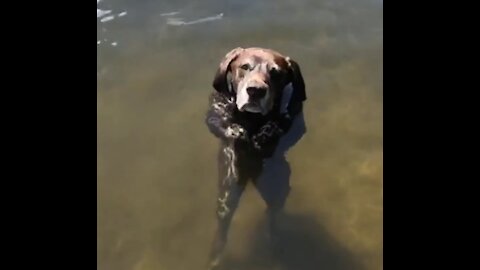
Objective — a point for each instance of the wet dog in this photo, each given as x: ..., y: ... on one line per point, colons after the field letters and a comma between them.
x: 258, y: 95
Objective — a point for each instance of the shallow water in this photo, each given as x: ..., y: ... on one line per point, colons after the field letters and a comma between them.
x: 157, y: 162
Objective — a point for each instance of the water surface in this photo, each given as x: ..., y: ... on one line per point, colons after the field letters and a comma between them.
x: 156, y: 160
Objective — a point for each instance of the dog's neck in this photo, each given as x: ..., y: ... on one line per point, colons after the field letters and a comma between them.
x: 250, y: 121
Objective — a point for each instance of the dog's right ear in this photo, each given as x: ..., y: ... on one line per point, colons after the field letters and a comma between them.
x: 220, y: 80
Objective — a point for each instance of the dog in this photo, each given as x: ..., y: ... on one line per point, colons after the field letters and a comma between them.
x: 258, y: 93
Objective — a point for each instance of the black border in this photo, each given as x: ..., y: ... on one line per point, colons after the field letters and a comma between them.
x: 50, y: 109
x: 50, y: 112
x: 425, y: 116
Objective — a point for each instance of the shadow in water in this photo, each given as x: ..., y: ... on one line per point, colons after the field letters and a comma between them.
x: 273, y: 184
x: 301, y: 243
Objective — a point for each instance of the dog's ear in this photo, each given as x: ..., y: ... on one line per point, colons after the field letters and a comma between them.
x: 298, y: 84
x: 220, y: 80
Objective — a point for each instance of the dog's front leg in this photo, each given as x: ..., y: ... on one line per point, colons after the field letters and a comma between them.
x: 219, y: 119
x: 265, y: 140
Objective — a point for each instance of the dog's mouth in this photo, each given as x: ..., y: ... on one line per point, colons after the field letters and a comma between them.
x: 253, y: 107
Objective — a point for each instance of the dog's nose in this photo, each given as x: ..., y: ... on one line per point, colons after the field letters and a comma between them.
x: 256, y: 92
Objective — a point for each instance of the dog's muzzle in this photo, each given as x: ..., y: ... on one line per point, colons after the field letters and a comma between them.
x: 253, y: 99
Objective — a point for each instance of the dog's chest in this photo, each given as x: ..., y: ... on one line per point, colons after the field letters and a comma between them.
x: 252, y: 122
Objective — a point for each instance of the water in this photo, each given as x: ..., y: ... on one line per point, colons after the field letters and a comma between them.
x: 157, y: 162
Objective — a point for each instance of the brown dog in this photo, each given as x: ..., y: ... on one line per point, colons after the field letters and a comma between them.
x: 258, y: 94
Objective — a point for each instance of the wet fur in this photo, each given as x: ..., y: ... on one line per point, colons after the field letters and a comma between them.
x: 247, y: 139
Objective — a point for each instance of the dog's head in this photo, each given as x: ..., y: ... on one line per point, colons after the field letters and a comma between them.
x: 256, y: 77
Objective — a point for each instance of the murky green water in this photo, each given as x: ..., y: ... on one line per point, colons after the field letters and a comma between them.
x: 157, y: 162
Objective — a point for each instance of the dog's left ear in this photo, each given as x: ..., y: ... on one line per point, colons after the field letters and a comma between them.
x: 297, y: 81
x: 220, y: 80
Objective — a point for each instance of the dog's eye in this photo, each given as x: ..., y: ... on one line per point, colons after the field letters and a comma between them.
x: 245, y: 66
x: 274, y: 72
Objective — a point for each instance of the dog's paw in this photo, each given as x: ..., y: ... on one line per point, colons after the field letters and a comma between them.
x: 214, y: 265
x: 216, y: 254
x: 265, y: 134
x: 256, y: 142
x: 235, y: 131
